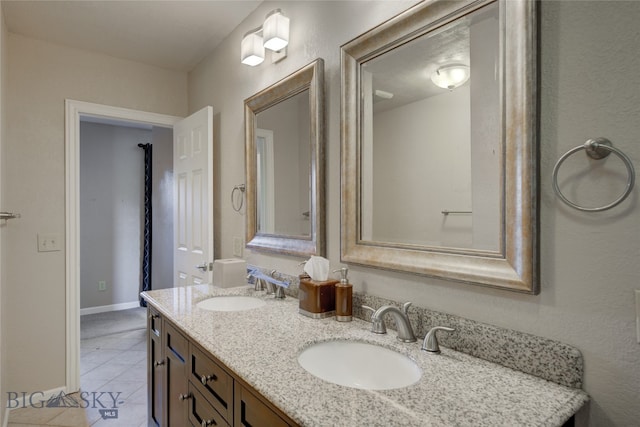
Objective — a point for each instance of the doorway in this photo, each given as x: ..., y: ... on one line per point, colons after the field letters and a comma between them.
x: 76, y: 112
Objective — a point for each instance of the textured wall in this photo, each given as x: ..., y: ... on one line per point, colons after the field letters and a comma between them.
x: 3, y: 125
x: 589, y: 262
x: 41, y: 77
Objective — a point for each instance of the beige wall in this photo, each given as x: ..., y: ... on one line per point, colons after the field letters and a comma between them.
x: 41, y: 77
x: 3, y: 323
x: 589, y: 262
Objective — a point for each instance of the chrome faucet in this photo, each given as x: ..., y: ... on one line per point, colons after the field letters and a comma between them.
x: 261, y: 284
x: 264, y: 284
x: 278, y: 290
x: 405, y: 331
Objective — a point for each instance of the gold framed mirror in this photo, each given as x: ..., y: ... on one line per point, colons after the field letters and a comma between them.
x: 439, y: 144
x: 284, y: 160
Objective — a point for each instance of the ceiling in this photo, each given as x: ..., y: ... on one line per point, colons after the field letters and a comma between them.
x: 170, y: 34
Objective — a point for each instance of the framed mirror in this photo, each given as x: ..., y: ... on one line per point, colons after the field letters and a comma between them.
x: 284, y: 149
x: 439, y: 144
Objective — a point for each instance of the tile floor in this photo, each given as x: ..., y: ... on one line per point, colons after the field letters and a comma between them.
x: 113, y: 364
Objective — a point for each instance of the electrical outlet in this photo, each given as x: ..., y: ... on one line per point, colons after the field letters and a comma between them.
x: 638, y: 315
x: 49, y: 242
x: 102, y: 285
x: 237, y: 247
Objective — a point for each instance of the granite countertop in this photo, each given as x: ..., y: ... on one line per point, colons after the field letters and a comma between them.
x: 262, y: 346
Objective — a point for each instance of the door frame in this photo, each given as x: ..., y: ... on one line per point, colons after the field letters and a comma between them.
x: 74, y: 111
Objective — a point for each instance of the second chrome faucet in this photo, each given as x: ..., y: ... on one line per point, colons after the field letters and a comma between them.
x: 401, y: 317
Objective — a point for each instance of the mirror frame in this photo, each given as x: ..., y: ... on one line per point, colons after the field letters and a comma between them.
x: 515, y: 265
x: 310, y: 77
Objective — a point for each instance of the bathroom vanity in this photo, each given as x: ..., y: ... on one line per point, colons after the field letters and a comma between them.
x: 241, y: 367
x: 187, y: 385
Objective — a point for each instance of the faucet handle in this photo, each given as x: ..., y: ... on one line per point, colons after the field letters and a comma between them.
x: 366, y: 307
x: 430, y: 343
x: 405, y: 307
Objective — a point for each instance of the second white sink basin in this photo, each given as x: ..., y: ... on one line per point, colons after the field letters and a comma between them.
x: 359, y: 365
x: 231, y: 303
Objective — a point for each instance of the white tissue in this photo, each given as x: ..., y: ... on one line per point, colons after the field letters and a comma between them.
x: 318, y: 268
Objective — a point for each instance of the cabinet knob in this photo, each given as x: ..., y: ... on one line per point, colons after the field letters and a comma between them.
x: 185, y: 396
x: 204, y: 380
x: 153, y: 316
x: 158, y: 363
x: 206, y: 423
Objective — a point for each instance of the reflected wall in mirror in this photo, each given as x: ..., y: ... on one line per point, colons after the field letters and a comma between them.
x: 284, y: 148
x: 427, y: 179
x: 439, y: 144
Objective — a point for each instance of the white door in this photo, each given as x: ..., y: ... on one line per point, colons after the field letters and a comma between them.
x: 193, y: 207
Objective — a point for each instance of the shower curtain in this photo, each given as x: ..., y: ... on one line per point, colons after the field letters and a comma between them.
x: 145, y: 284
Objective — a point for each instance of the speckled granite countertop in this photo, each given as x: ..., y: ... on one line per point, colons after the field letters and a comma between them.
x: 262, y: 346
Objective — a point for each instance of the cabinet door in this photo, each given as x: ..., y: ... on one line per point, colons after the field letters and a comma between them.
x: 175, y: 350
x: 155, y: 368
x: 252, y: 411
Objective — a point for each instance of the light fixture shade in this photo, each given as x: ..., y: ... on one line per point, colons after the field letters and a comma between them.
x: 276, y: 31
x: 451, y: 76
x: 252, y: 49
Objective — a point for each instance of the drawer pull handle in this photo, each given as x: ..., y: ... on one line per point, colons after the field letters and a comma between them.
x: 185, y: 396
x: 206, y: 423
x: 153, y: 316
x: 158, y: 363
x: 204, y: 380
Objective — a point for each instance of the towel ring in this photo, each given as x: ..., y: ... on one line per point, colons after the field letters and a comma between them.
x: 241, y: 188
x: 596, y: 148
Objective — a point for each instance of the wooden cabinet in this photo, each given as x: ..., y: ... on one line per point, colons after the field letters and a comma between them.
x: 252, y: 411
x: 212, y: 381
x: 189, y: 386
x: 155, y: 369
x: 201, y: 412
x: 176, y: 350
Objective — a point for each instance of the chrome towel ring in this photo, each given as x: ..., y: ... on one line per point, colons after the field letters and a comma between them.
x: 596, y: 148
x: 241, y: 188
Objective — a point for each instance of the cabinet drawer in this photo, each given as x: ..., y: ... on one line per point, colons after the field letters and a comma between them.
x: 212, y: 381
x: 175, y: 342
x: 201, y: 412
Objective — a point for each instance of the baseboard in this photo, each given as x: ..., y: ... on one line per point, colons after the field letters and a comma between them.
x: 112, y: 307
x: 27, y: 399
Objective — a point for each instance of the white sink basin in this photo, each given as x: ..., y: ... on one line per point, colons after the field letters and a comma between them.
x: 359, y: 365
x: 230, y: 303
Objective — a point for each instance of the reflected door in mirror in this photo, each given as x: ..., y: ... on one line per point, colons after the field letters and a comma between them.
x: 283, y: 142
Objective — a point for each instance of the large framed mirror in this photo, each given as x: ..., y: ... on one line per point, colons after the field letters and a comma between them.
x: 439, y: 144
x: 284, y: 149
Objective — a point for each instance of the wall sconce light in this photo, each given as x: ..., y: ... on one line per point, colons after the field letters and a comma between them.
x: 252, y: 48
x: 451, y: 76
x: 273, y: 35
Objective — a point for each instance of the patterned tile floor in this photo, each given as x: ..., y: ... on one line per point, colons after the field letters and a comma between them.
x: 109, y: 364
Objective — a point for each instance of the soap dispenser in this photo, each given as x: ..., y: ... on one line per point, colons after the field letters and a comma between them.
x: 344, y: 297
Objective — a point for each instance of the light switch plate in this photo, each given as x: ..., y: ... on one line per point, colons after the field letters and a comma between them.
x: 237, y: 247
x: 49, y: 242
x: 638, y: 315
